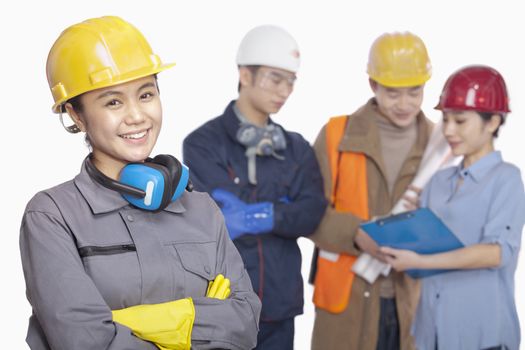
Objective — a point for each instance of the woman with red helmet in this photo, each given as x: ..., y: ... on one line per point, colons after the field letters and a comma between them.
x: 483, y: 202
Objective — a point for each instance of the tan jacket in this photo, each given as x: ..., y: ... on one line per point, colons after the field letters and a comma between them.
x: 356, y: 328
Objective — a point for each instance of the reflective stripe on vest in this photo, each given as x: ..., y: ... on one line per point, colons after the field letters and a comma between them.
x: 349, y: 194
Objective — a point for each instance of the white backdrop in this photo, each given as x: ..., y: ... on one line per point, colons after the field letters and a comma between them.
x: 202, y: 38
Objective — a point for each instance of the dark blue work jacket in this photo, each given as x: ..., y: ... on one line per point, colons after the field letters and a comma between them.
x: 273, y: 260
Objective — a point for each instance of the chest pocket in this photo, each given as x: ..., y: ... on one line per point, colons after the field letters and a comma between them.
x: 274, y: 176
x: 115, y: 271
x: 198, y: 263
x: 276, y: 179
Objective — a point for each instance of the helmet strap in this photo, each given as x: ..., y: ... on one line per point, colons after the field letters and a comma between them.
x: 72, y: 129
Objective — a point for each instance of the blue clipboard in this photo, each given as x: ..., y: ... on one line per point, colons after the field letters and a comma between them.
x: 419, y: 230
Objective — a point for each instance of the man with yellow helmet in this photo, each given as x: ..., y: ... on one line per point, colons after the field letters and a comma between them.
x: 368, y: 159
x: 125, y: 256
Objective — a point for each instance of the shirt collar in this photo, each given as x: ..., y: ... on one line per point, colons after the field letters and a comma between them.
x: 242, y: 118
x: 480, y: 168
x: 104, y: 200
x: 232, y: 122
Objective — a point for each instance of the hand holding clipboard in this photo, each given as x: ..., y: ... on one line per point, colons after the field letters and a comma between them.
x: 419, y: 230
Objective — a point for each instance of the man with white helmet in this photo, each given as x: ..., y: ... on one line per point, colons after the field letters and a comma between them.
x: 266, y: 179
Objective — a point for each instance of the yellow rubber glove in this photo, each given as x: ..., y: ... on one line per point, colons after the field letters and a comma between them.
x: 168, y: 325
x: 219, y: 288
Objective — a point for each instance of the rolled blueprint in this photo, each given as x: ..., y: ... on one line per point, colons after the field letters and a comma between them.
x: 437, y: 156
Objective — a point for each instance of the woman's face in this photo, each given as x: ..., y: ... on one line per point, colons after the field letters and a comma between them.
x: 122, y: 122
x: 468, y: 134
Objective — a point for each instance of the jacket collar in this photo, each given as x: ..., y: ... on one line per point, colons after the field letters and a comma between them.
x: 232, y: 123
x: 103, y: 200
x: 362, y: 134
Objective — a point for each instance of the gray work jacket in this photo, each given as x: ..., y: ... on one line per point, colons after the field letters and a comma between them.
x: 86, y: 251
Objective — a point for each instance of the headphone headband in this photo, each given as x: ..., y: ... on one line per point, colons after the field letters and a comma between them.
x: 110, y: 183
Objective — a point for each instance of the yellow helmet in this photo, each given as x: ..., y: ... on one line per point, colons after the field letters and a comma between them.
x: 98, y: 53
x: 399, y: 60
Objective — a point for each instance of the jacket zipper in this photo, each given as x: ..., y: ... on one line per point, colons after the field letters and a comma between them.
x: 108, y: 250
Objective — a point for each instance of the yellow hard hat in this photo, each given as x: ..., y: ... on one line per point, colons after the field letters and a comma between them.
x: 98, y: 53
x: 399, y: 60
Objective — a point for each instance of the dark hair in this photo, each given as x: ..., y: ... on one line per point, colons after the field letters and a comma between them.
x: 253, y: 69
x: 75, y: 103
x: 486, y: 116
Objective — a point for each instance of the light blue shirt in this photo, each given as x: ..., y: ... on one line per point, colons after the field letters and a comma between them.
x: 474, y: 309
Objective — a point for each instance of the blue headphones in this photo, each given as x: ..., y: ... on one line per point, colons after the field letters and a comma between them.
x: 151, y: 185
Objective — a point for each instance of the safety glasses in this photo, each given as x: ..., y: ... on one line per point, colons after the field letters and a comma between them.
x: 273, y: 81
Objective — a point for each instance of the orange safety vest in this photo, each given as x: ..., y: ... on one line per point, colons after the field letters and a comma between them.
x: 349, y: 194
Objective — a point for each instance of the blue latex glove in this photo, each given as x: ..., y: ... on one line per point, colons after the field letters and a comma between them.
x: 242, y: 218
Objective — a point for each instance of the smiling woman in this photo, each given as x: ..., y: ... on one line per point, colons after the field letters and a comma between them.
x: 123, y: 122
x: 122, y: 257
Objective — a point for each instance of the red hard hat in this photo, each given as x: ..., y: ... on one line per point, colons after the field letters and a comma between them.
x: 475, y: 88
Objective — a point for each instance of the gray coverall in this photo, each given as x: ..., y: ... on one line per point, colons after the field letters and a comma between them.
x: 86, y: 251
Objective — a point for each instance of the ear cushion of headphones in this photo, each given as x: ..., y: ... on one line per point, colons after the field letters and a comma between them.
x: 173, y: 166
x: 174, y: 170
x: 179, y: 173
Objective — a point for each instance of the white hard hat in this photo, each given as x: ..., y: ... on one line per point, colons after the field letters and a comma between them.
x: 270, y: 46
